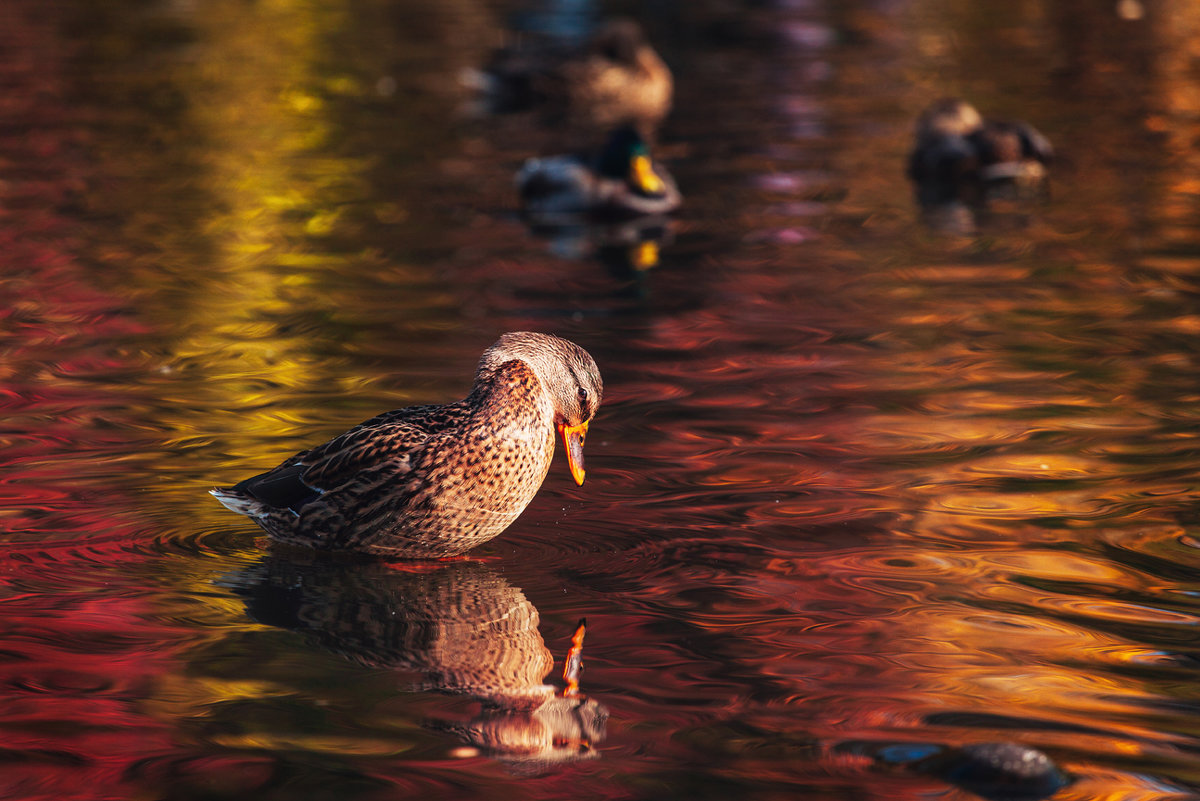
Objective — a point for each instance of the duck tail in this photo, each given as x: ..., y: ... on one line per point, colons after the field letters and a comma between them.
x: 238, y: 502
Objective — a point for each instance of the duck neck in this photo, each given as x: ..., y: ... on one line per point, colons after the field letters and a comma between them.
x: 512, y: 396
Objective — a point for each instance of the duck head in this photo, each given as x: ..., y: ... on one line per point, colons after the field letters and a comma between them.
x: 626, y: 157
x: 619, y: 41
x: 948, y: 116
x: 569, y: 376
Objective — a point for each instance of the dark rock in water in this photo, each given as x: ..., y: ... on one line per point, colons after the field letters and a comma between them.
x: 999, y: 771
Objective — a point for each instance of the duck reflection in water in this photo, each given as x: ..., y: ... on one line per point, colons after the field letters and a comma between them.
x: 460, y: 625
x: 628, y: 249
x: 962, y: 162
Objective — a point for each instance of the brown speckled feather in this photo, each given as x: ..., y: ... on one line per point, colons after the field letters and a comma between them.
x: 432, y: 481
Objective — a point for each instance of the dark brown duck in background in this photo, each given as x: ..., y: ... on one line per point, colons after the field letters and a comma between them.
x: 962, y: 157
x: 435, y: 481
x: 618, y: 78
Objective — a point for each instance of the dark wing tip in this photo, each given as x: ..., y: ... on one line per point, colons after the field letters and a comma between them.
x: 282, y: 488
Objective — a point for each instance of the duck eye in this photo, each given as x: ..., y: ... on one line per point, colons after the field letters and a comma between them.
x: 583, y: 395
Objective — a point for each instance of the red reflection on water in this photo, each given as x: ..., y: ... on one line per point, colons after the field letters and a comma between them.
x: 82, y: 649
x: 74, y: 678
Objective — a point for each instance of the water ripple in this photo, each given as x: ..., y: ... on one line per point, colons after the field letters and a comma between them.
x: 853, y: 481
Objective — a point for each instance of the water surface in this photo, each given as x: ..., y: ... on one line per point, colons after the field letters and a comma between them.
x: 856, y: 484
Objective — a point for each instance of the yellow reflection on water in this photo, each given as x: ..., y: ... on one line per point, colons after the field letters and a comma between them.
x: 253, y: 102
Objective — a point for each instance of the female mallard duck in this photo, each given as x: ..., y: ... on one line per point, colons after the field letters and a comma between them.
x: 618, y: 78
x: 623, y: 180
x: 961, y: 157
x: 435, y: 481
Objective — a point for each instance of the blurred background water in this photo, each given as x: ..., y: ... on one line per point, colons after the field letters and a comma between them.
x: 856, y: 484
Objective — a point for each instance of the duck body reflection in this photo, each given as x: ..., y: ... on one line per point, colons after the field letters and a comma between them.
x: 459, y: 625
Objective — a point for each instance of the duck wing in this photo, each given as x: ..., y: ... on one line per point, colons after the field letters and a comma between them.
x: 389, y: 443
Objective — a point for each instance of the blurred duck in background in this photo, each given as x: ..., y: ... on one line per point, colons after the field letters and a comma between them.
x: 962, y: 159
x: 613, y: 79
x: 622, y: 180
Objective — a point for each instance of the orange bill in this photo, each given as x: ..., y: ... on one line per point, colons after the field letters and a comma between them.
x: 572, y: 437
x: 574, y: 665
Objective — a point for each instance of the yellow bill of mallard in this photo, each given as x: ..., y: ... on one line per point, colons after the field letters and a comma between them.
x: 644, y: 176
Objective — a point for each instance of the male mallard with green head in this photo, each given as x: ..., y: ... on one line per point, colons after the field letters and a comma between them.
x: 435, y: 481
x: 622, y: 180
